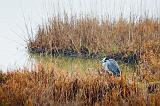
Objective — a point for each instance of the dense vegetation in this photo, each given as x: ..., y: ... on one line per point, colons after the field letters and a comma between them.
x: 90, y: 37
x: 48, y: 86
x: 87, y: 36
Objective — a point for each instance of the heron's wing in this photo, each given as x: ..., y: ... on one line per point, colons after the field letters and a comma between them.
x: 112, y: 60
x: 114, y: 68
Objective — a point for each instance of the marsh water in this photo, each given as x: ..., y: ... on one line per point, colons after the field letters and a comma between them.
x: 20, y: 18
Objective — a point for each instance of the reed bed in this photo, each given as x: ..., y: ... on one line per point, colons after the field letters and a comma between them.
x: 89, y: 36
x: 150, y: 61
x: 43, y: 86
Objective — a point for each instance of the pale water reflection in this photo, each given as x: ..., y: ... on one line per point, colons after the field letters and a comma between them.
x: 70, y: 64
x: 15, y: 13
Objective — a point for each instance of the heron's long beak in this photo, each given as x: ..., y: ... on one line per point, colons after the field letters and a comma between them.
x: 101, y: 61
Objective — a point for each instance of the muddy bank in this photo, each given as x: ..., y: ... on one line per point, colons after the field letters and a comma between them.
x: 125, y: 57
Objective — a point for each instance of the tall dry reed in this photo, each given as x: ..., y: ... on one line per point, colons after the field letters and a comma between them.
x: 88, y: 35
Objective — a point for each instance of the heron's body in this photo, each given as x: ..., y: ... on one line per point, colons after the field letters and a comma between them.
x: 111, y: 66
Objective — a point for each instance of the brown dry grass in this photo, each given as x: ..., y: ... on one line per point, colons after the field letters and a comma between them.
x: 150, y: 61
x: 97, y: 36
x: 48, y: 86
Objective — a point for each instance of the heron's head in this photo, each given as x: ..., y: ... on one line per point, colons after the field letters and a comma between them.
x: 104, y: 60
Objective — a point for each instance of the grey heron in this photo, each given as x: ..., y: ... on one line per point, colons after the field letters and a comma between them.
x: 111, y: 66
